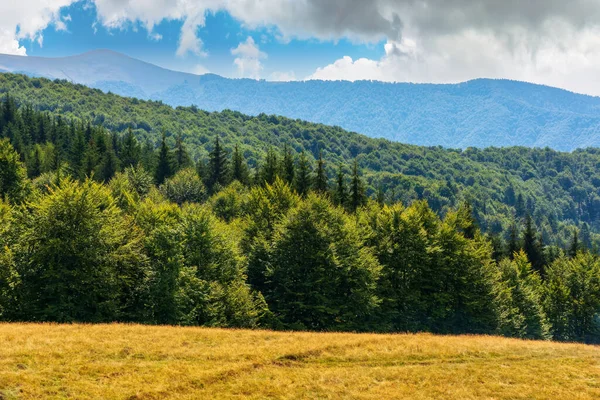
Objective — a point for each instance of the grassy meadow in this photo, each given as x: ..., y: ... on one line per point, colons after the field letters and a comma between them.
x: 143, y: 362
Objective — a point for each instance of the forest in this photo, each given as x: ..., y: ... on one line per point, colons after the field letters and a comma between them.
x: 99, y: 224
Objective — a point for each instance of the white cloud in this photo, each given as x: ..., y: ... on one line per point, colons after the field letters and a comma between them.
x: 547, y: 41
x: 26, y: 19
x: 199, y: 69
x: 570, y: 60
x: 282, y: 76
x: 248, y: 57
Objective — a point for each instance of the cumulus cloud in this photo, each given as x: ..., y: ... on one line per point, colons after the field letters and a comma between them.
x: 26, y: 19
x: 280, y: 76
x: 552, y: 41
x: 247, y: 59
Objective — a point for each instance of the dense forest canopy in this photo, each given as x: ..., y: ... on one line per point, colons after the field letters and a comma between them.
x: 561, y: 191
x: 99, y: 224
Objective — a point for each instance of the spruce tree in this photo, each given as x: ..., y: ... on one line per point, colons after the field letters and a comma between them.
x: 321, y: 180
x: 575, y: 245
x: 163, y: 168
x: 239, y: 168
x: 130, y: 150
x: 513, y: 241
x: 303, y: 178
x: 35, y: 168
x: 182, y: 158
x: 270, y: 170
x: 357, y: 189
x: 341, y: 193
x: 288, y: 166
x: 532, y: 247
x: 218, y: 169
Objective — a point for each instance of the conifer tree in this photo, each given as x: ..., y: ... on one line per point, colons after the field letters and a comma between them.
x: 130, y: 150
x: 218, y: 167
x: 77, y: 154
x: 288, y: 166
x: 270, y: 169
x: 239, y: 169
x: 341, y: 193
x: 357, y: 189
x: 108, y: 166
x: 35, y: 167
x: 163, y: 168
x: 513, y: 241
x: 575, y: 245
x: 182, y: 158
x: 321, y: 180
x: 531, y: 246
x: 303, y: 177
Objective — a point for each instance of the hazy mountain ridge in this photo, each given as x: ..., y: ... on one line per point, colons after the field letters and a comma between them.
x: 477, y: 113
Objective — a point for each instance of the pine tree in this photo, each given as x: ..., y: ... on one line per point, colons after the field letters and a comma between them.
x: 239, y: 170
x: 163, y: 168
x: 357, y: 189
x: 303, y: 178
x: 341, y: 193
x: 321, y: 180
x: 218, y: 169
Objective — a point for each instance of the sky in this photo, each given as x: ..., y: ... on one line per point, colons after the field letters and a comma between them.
x: 552, y: 42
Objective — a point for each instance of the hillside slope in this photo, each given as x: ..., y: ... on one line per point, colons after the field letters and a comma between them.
x: 136, y: 362
x: 479, y: 113
x: 558, y: 189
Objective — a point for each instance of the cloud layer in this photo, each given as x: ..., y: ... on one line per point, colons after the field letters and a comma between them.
x: 547, y: 41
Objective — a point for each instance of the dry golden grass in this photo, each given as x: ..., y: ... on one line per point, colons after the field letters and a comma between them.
x: 141, y: 362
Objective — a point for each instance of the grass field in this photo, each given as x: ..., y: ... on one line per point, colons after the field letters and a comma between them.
x: 139, y: 362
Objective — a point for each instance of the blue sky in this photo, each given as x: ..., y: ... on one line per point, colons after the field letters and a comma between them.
x: 220, y: 34
x: 551, y: 42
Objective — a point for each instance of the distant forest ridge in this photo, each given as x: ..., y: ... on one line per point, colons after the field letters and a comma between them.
x: 479, y: 113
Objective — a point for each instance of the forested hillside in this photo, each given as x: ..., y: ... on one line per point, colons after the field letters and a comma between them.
x: 478, y: 113
x: 560, y: 190
x: 97, y: 227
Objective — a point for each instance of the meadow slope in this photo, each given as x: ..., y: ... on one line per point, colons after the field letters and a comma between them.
x: 143, y: 362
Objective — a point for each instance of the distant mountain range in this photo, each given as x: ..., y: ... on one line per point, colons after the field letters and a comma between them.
x: 477, y: 113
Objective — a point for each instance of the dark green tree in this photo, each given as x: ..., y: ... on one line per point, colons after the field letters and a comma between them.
x: 218, y: 167
x: 288, y: 167
x: 321, y: 180
x: 303, y: 177
x: 164, y: 167
x: 341, y: 192
x: 239, y: 169
x: 357, y: 189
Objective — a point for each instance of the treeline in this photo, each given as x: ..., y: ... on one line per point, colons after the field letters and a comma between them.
x: 153, y: 240
x: 560, y: 191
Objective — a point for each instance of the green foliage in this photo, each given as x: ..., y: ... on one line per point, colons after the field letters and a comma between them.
x: 184, y: 187
x: 572, y: 298
x: 76, y: 253
x: 13, y: 175
x: 321, y: 276
x: 519, y: 300
x: 97, y: 239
